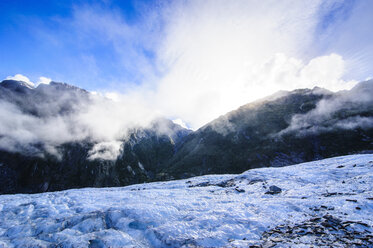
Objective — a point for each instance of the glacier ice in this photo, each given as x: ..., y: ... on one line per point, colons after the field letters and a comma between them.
x: 207, y: 211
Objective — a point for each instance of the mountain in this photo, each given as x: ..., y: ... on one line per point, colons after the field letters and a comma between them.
x: 45, y: 100
x: 24, y: 173
x: 325, y: 203
x: 287, y: 128
x: 16, y: 85
x: 36, y: 168
x: 283, y: 129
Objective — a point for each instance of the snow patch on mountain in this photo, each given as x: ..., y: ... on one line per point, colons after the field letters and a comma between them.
x: 305, y: 204
x: 22, y: 80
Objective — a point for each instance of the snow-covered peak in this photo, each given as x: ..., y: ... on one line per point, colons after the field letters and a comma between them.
x: 323, y: 203
x: 14, y: 84
x: 22, y: 80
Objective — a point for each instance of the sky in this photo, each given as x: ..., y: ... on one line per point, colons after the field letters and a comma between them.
x: 191, y: 61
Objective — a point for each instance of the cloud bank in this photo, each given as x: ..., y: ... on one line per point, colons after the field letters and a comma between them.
x: 46, y: 117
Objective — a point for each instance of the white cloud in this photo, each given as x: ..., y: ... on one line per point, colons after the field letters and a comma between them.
x: 112, y: 96
x: 105, y: 150
x: 346, y: 30
x: 210, y: 57
x: 23, y: 78
x: 108, y: 120
x: 220, y: 55
x: 92, y: 25
x: 180, y: 122
x: 43, y: 80
x: 327, y: 72
x: 323, y: 117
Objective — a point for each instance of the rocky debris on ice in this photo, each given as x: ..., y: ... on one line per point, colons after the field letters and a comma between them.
x: 273, y: 190
x: 322, y: 231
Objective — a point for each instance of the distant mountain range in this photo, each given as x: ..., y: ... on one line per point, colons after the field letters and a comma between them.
x: 285, y: 128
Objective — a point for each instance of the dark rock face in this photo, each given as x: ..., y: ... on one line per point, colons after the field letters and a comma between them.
x: 255, y: 135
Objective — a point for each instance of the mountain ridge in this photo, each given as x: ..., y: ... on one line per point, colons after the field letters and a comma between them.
x: 282, y: 129
x: 252, y: 122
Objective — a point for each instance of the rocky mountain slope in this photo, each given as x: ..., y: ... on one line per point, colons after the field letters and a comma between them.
x: 36, y: 167
x: 286, y: 128
x: 326, y: 203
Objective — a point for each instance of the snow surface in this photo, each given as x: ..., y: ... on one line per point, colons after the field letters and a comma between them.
x: 207, y: 211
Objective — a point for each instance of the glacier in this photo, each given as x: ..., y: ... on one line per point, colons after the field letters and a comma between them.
x: 321, y: 203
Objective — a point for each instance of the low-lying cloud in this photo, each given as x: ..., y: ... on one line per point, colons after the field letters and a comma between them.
x: 336, y: 112
x: 61, y: 116
x: 105, y: 150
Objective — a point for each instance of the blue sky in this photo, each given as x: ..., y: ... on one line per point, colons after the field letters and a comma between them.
x: 41, y: 38
x: 184, y: 57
